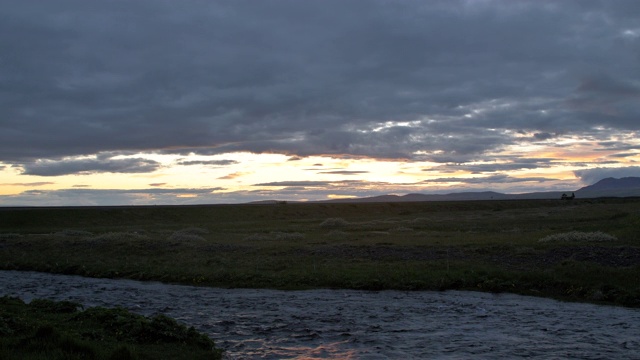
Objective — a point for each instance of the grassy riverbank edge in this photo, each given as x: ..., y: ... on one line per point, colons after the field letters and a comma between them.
x: 568, y: 282
x: 44, y: 329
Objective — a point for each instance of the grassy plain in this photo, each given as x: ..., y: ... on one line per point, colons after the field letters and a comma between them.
x: 480, y: 245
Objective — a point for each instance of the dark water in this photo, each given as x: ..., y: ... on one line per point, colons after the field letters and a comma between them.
x: 344, y: 324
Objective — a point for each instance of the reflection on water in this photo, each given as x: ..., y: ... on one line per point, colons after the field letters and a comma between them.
x: 338, y: 350
x: 344, y: 324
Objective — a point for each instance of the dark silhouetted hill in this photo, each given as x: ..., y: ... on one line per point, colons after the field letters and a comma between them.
x: 612, y: 187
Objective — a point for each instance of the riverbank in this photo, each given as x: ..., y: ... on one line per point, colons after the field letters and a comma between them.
x: 45, y: 329
x: 580, y: 250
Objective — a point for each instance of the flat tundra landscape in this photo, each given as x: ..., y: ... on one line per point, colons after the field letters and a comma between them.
x: 584, y: 250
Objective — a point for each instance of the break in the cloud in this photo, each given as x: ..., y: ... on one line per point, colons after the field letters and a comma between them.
x: 424, y: 82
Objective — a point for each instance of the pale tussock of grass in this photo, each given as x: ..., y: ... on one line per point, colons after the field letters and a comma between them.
x: 178, y: 236
x: 403, y: 229
x: 188, y: 234
x: 579, y: 236
x: 193, y: 231
x: 73, y: 233
x: 334, y: 223
x: 257, y: 237
x: 275, y: 235
x: 117, y: 236
x: 287, y: 236
x: 8, y: 236
x: 419, y: 221
x: 336, y: 234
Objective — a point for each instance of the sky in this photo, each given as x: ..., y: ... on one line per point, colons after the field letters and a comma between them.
x: 152, y: 102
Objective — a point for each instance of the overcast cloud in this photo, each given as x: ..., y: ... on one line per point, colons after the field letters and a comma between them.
x: 591, y: 176
x: 88, y: 166
x: 444, y: 81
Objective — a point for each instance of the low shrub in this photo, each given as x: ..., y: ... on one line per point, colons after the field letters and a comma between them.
x: 61, y: 307
x: 117, y: 236
x: 73, y: 233
x: 257, y: 237
x: 129, y: 327
x: 8, y: 236
x: 193, y: 231
x: 189, y: 234
x: 178, y: 236
x: 275, y: 235
x: 334, y: 223
x: 403, y: 229
x: 579, y: 236
x: 287, y: 236
x: 50, y: 341
x: 336, y: 234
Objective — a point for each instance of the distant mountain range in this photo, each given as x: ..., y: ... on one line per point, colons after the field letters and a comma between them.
x: 609, y: 187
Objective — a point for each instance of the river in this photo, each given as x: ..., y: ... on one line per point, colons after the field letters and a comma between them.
x: 349, y: 324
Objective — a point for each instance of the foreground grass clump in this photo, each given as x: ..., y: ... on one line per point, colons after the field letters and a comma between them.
x: 479, y: 245
x: 46, y: 329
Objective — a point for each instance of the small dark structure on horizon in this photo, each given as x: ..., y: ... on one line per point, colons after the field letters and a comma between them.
x: 567, y: 197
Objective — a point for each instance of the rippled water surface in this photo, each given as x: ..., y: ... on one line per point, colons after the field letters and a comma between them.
x: 346, y: 324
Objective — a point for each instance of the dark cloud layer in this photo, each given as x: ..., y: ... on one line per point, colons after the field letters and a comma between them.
x: 89, y: 166
x: 445, y: 81
x: 489, y: 180
x: 30, y: 184
x: 493, y: 167
x: 207, y: 162
x: 591, y: 176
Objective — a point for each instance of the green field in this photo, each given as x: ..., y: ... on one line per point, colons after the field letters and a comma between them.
x: 590, y: 248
